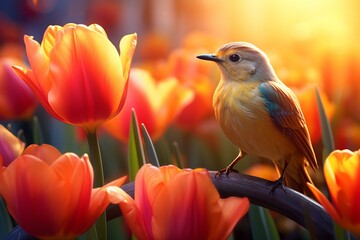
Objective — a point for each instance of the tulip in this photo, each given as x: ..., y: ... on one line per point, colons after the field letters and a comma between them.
x: 171, y: 203
x: 156, y: 104
x: 17, y: 101
x: 77, y: 73
x: 263, y: 170
x: 50, y: 195
x: 10, y: 146
x: 308, y: 103
x: 342, y: 175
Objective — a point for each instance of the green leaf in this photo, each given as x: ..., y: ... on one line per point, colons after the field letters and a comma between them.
x: 177, y: 155
x: 340, y: 232
x: 37, y: 133
x: 90, y: 234
x: 5, y: 220
x: 99, y: 181
x: 136, y: 155
x: 149, y: 147
x: 163, y: 151
x: 262, y: 224
x: 329, y: 146
x: 326, y: 132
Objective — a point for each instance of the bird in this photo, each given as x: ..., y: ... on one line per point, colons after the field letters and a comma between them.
x: 261, y: 115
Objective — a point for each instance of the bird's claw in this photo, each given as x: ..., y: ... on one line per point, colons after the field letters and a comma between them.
x: 226, y: 170
x: 275, y: 184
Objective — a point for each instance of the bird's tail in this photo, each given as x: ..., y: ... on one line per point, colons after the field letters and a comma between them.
x: 296, y: 174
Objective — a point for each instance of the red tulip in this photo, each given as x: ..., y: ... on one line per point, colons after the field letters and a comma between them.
x: 77, y: 73
x: 171, y: 203
x: 17, y: 101
x: 10, y: 147
x: 51, y: 195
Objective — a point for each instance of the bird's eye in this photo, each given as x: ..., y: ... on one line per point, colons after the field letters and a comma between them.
x: 234, y: 57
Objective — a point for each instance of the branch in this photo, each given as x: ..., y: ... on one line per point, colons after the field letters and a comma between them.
x: 292, y: 204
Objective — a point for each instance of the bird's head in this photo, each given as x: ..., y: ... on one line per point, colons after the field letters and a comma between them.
x: 241, y: 61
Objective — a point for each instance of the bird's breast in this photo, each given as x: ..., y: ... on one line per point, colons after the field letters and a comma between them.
x: 241, y: 112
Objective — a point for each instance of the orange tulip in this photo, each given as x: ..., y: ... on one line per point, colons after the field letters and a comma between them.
x: 193, y: 74
x: 50, y: 195
x: 263, y: 170
x: 156, y: 104
x: 17, y: 101
x: 77, y: 73
x: 307, y: 99
x: 10, y: 147
x: 342, y: 175
x: 171, y: 203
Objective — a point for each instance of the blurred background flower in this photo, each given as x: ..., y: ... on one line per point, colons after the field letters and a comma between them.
x: 17, y: 101
x: 157, y: 104
x: 10, y: 147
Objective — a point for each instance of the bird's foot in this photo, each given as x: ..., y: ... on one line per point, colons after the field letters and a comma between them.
x: 275, y: 184
x: 226, y: 170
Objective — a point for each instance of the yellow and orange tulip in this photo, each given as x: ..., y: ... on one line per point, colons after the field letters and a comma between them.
x: 77, y: 73
x: 17, y: 101
x: 173, y: 203
x: 342, y: 175
x: 156, y: 104
x: 10, y: 147
x: 51, y: 195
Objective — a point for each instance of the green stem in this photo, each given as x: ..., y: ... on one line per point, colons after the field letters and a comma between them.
x: 95, y: 158
x: 340, y: 232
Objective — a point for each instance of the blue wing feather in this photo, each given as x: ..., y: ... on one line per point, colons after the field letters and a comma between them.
x: 284, y: 109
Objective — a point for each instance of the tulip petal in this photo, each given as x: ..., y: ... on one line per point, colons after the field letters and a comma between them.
x: 201, y: 207
x: 232, y: 209
x: 17, y: 100
x: 36, y: 199
x: 127, y: 47
x: 49, y: 39
x: 176, y: 98
x: 10, y: 146
x: 37, y: 78
x: 100, y: 198
x: 78, y: 179
x: 324, y: 202
x: 45, y: 152
x: 93, y: 87
x: 191, y: 219
x: 156, y: 104
x: 98, y: 29
x: 149, y: 183
x: 119, y: 126
x: 130, y: 211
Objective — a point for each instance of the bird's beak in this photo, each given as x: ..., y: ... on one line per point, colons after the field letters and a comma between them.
x: 209, y: 57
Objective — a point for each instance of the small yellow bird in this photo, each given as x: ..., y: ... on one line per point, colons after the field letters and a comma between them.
x: 261, y: 115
